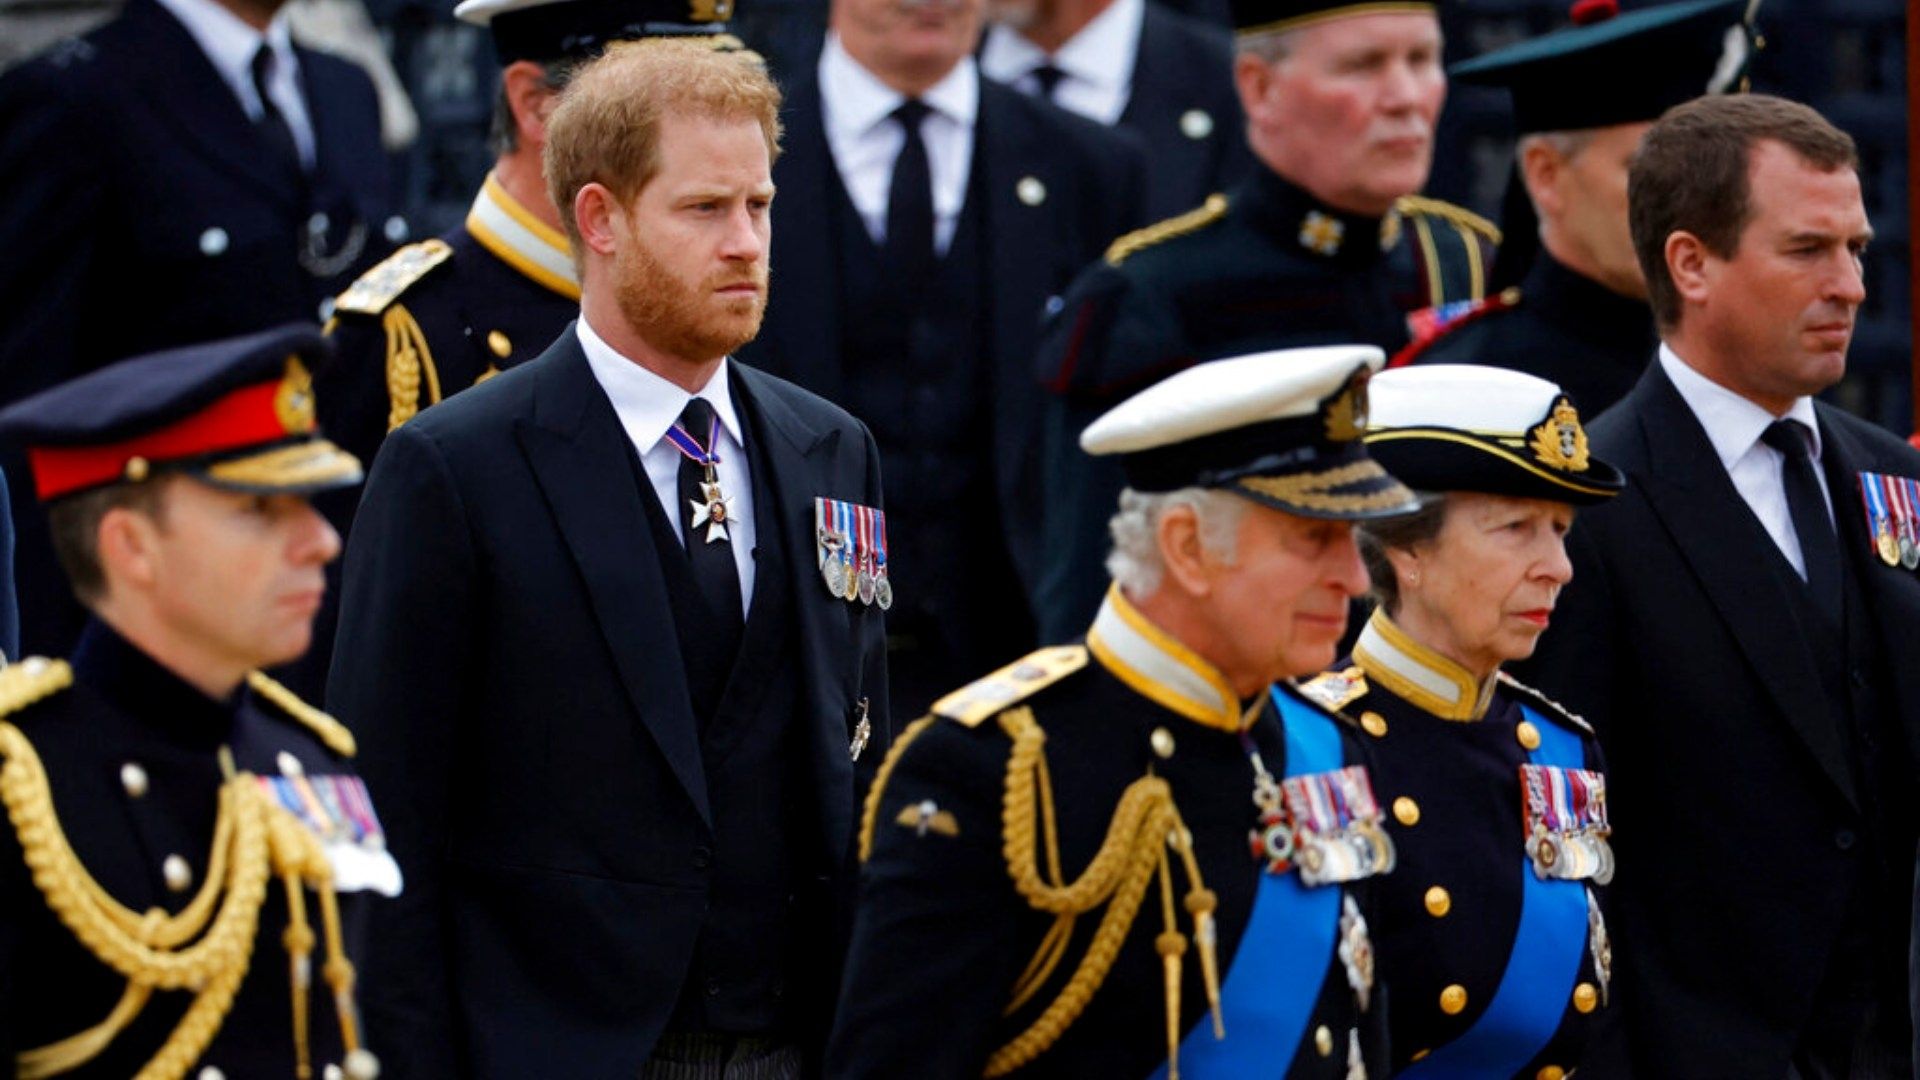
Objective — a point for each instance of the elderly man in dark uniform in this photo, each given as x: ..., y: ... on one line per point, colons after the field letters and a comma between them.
x: 941, y: 211
x: 1163, y: 75
x: 1578, y: 315
x: 1321, y: 244
x: 183, y: 173
x: 189, y: 838
x: 1739, y: 629
x: 1058, y: 879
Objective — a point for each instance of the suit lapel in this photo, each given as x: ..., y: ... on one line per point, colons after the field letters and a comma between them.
x: 1730, y: 553
x: 803, y: 315
x: 579, y: 454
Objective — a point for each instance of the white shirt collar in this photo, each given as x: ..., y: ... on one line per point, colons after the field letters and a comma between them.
x: 856, y: 101
x: 1102, y: 54
x: 647, y: 404
x: 230, y: 44
x: 1733, y: 423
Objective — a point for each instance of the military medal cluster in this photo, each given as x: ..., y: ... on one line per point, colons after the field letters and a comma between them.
x: 1893, y: 517
x: 1328, y: 825
x: 1566, y: 824
x: 851, y: 543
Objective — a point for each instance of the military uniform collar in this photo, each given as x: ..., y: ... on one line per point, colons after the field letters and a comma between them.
x: 1293, y: 217
x: 513, y: 234
x: 1423, y: 677
x: 1570, y: 299
x: 140, y: 686
x: 1161, y: 669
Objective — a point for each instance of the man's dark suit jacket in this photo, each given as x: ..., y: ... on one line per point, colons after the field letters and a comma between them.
x: 507, y: 658
x: 1185, y: 66
x: 1091, y: 180
x: 139, y: 210
x: 1735, y: 812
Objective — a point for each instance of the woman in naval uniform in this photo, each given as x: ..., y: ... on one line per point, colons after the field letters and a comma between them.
x: 1491, y: 934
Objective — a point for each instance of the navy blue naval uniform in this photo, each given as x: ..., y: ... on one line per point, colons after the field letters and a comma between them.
x: 1446, y: 755
x: 1265, y: 266
x: 942, y: 936
x: 131, y: 756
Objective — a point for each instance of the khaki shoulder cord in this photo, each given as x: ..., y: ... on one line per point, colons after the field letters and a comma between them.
x: 408, y: 359
x: 252, y: 837
x: 1144, y: 826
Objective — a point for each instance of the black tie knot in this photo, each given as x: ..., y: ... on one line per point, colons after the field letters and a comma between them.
x: 1048, y: 76
x: 697, y: 419
x: 910, y: 113
x: 262, y: 67
x: 1789, y: 437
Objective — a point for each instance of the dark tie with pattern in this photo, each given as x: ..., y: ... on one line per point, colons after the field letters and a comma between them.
x: 714, y: 570
x: 274, y: 130
x: 1819, y: 547
x: 909, y: 245
x: 1049, y: 78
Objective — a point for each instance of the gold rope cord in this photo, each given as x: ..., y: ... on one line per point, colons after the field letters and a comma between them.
x: 408, y: 360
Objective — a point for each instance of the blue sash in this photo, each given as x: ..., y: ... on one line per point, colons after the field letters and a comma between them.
x: 1282, y: 960
x: 1541, y: 966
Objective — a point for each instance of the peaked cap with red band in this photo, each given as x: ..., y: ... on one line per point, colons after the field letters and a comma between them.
x: 236, y: 413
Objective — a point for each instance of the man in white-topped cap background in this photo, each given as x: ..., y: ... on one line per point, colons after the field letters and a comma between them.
x: 1233, y: 563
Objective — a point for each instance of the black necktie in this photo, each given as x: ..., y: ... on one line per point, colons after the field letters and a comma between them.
x: 712, y: 559
x: 274, y: 130
x: 1819, y: 547
x: 909, y: 246
x: 1049, y: 78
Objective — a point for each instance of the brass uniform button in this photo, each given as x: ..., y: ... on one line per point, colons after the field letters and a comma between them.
x: 288, y: 764
x: 1406, y: 811
x: 498, y: 342
x: 1323, y: 1041
x: 1419, y: 1055
x: 1551, y: 1072
x: 1528, y: 735
x: 137, y: 469
x: 177, y: 874
x: 134, y: 779
x: 1374, y: 723
x: 1585, y: 998
x: 1438, y: 904
x: 1453, y: 1000
x: 1162, y: 741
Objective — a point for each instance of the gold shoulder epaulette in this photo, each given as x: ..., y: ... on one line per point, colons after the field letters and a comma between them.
x: 328, y: 730
x: 1179, y: 225
x: 1018, y: 681
x: 1553, y: 709
x: 1421, y: 206
x: 1335, y: 690
x: 378, y: 288
x: 30, y: 680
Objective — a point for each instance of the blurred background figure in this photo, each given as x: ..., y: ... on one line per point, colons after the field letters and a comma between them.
x: 1164, y: 76
x: 1570, y: 304
x: 928, y: 218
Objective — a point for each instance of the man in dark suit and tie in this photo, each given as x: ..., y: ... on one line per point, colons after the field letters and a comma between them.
x: 943, y: 211
x: 183, y: 173
x: 587, y: 648
x: 1165, y: 76
x: 1739, y: 624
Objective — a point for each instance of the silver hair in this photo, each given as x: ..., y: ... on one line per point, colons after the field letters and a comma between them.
x: 1268, y: 46
x: 1137, y: 563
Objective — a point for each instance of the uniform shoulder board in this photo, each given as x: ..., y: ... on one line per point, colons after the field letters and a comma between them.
x: 1431, y: 325
x: 1018, y: 681
x: 1192, y: 221
x: 379, y: 287
x: 1335, y: 690
x: 30, y: 681
x: 1458, y: 216
x: 1548, y: 707
x: 325, y: 728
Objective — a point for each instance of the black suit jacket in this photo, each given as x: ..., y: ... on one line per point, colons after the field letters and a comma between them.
x: 1091, y: 181
x: 139, y: 211
x: 1735, y: 810
x: 507, y: 658
x: 1185, y: 67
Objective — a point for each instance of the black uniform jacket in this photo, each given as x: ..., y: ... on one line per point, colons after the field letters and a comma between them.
x: 1565, y: 328
x: 1184, y: 106
x: 1265, y: 266
x: 1061, y: 187
x: 507, y: 655
x: 942, y: 937
x: 1446, y: 755
x: 139, y: 211
x: 1678, y: 641
x: 131, y: 755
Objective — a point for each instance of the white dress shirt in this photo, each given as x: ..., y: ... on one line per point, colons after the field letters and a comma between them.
x: 1734, y: 426
x: 647, y: 406
x: 1096, y: 64
x: 230, y: 44
x: 865, y: 139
